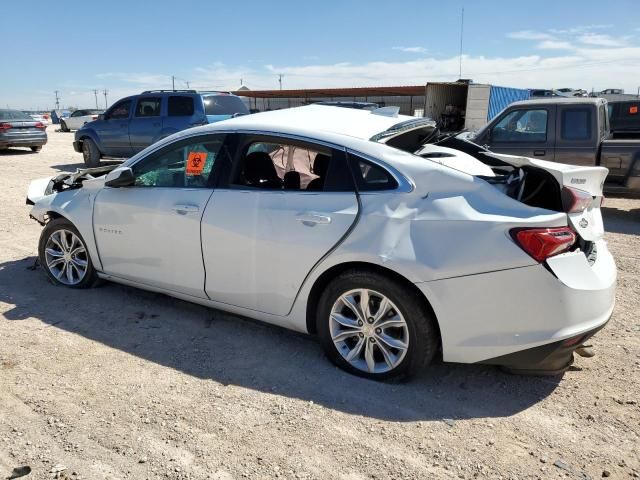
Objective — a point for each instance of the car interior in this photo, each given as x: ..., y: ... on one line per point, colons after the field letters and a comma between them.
x: 275, y: 166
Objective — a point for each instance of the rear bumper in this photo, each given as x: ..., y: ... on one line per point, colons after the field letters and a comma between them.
x: 23, y: 140
x: 77, y: 146
x: 487, y: 318
x: 550, y: 359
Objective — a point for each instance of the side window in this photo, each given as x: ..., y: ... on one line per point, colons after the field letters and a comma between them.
x: 284, y: 165
x: 521, y: 126
x: 77, y: 113
x: 185, y: 164
x: 180, y: 106
x: 576, y: 124
x: 148, y: 107
x: 120, y: 110
x: 370, y: 176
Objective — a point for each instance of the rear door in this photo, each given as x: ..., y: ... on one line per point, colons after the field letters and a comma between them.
x: 282, y: 205
x: 146, y: 123
x: 527, y: 131
x: 577, y: 135
x: 183, y: 111
x: 113, y: 131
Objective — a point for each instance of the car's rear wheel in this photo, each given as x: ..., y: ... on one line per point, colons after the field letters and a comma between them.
x: 375, y: 327
x: 36, y: 149
x: 90, y: 153
x: 64, y: 256
x: 63, y: 126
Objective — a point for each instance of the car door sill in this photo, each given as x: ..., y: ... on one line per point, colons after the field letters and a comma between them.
x: 280, y: 321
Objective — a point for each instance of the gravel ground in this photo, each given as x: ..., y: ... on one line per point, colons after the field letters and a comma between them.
x: 116, y: 383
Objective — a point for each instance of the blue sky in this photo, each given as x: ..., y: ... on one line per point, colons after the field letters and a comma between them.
x: 76, y: 46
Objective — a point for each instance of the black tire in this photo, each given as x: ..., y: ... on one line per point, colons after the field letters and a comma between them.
x: 90, y: 278
x: 63, y: 126
x: 90, y: 153
x: 423, y: 338
x: 36, y: 149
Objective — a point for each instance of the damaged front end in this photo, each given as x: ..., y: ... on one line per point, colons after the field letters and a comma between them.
x: 42, y: 187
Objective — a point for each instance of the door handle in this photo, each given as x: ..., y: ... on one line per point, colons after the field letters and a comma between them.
x: 539, y: 153
x: 184, y: 209
x: 313, y: 219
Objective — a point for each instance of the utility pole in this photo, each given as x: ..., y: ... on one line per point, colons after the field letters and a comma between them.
x: 95, y: 93
x: 173, y: 82
x: 57, y: 99
x: 105, y: 92
x: 280, y: 75
x: 461, y: 36
x: 187, y: 82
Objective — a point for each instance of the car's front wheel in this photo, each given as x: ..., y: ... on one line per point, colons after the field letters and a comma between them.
x: 63, y: 127
x: 375, y: 327
x: 36, y: 149
x: 90, y: 153
x: 64, y: 256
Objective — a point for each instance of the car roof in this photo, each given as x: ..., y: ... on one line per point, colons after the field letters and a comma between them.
x: 316, y: 120
x: 563, y: 100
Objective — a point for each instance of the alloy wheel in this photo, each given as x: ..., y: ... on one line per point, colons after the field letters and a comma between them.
x: 66, y: 257
x: 369, y: 331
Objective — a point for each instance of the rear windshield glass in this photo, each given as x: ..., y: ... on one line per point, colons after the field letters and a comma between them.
x: 13, y: 115
x: 223, y: 105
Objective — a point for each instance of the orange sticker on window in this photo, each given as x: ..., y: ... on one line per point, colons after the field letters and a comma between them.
x: 633, y: 110
x: 195, y: 163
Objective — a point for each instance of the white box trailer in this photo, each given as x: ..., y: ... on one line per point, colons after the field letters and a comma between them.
x: 457, y: 105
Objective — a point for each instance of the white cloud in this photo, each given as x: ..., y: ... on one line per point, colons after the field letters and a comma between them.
x: 554, y: 61
x: 554, y: 45
x: 601, y: 40
x: 530, y: 35
x: 411, y: 49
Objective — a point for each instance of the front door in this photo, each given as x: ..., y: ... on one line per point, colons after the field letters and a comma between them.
x: 528, y: 132
x: 284, y: 206
x: 113, y: 130
x: 146, y: 124
x: 150, y: 232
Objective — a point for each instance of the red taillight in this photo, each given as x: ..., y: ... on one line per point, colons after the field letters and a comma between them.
x: 574, y: 200
x: 40, y: 125
x: 542, y: 243
x: 5, y: 126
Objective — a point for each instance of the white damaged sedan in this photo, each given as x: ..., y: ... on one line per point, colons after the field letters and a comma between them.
x: 390, y: 242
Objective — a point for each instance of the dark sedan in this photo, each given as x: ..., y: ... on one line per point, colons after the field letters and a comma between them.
x: 17, y: 129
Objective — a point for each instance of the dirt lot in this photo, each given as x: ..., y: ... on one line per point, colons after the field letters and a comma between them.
x: 116, y: 383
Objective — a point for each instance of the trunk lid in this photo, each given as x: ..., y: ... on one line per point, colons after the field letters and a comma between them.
x: 588, y: 222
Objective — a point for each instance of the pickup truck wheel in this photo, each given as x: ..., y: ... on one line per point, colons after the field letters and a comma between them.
x: 64, y: 255
x: 90, y: 153
x: 63, y: 127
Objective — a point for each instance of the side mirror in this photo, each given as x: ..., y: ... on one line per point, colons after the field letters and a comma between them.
x: 120, y: 177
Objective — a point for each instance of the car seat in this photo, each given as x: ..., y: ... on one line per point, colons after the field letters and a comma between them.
x: 260, y: 172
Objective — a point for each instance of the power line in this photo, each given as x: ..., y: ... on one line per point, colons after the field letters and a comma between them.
x: 461, y: 36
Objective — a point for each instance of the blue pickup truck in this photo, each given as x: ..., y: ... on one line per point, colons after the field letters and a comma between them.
x: 133, y: 123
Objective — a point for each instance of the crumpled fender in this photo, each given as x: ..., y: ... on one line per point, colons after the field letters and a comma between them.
x: 76, y: 205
